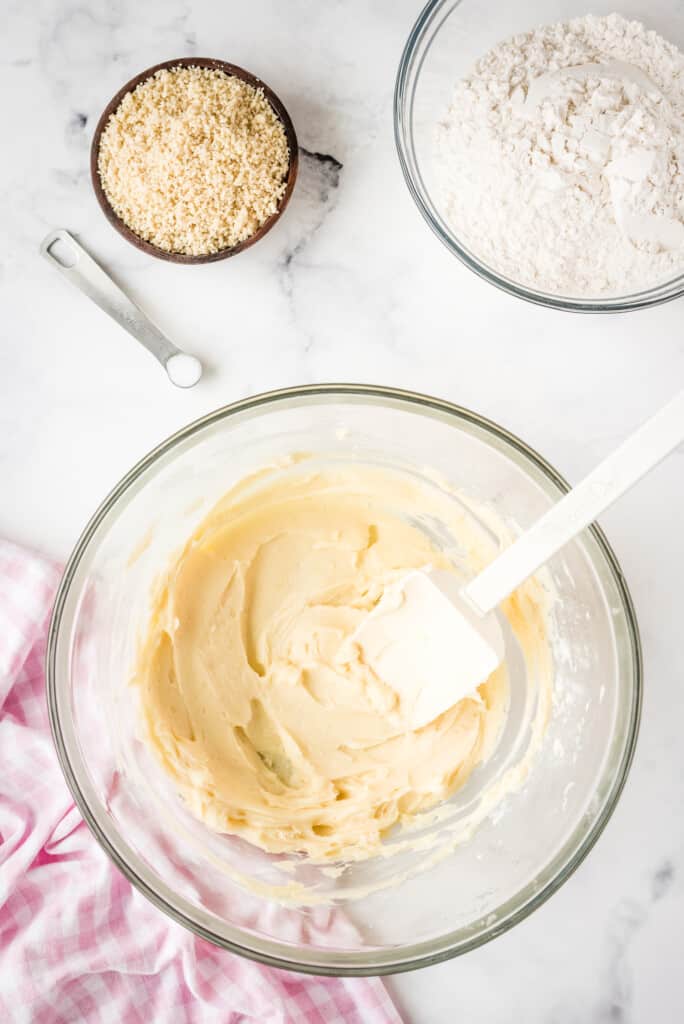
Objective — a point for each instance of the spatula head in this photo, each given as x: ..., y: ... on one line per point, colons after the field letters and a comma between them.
x: 424, y: 642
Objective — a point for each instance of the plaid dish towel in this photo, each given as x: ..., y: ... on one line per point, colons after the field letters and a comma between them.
x: 78, y: 943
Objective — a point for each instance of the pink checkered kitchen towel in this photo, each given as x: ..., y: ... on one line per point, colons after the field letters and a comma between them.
x: 78, y: 943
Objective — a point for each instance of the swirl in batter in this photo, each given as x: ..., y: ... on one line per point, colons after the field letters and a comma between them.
x: 253, y: 697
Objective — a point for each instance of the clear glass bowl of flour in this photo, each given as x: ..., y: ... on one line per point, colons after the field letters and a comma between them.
x: 443, y: 46
x: 408, y: 908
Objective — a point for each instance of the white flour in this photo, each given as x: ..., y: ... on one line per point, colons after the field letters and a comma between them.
x: 561, y: 160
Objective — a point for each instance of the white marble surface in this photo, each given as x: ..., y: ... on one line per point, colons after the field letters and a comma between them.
x: 350, y: 286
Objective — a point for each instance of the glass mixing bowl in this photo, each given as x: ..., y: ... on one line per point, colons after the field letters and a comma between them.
x: 445, y: 42
x: 515, y: 859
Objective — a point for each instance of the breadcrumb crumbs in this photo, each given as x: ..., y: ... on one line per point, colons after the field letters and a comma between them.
x: 194, y: 160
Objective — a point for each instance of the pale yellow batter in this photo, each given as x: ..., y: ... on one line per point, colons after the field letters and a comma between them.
x: 254, y: 699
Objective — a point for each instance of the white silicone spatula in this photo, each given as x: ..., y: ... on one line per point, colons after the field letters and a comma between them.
x: 434, y: 643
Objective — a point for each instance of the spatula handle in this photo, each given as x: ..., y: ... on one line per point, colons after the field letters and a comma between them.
x: 633, y: 459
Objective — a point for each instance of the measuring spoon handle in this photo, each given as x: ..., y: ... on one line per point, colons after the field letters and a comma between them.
x: 88, y: 276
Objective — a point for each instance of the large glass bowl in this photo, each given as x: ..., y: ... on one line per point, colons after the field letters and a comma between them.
x: 512, y: 862
x: 444, y: 44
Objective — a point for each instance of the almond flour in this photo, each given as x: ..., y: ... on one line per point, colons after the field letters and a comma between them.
x: 194, y: 160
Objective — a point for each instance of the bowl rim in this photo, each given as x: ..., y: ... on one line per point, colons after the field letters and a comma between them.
x: 273, y: 952
x: 232, y: 70
x: 417, y: 46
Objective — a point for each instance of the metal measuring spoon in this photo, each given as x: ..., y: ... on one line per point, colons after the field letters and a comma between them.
x: 183, y: 369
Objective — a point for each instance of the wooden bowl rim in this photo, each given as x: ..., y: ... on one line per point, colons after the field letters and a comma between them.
x: 229, y: 69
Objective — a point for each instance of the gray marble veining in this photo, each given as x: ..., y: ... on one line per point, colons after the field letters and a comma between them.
x: 350, y: 285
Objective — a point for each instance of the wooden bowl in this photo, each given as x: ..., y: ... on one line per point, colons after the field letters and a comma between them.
x: 229, y: 69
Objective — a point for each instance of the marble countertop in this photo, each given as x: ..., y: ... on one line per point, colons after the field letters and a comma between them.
x: 350, y: 286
